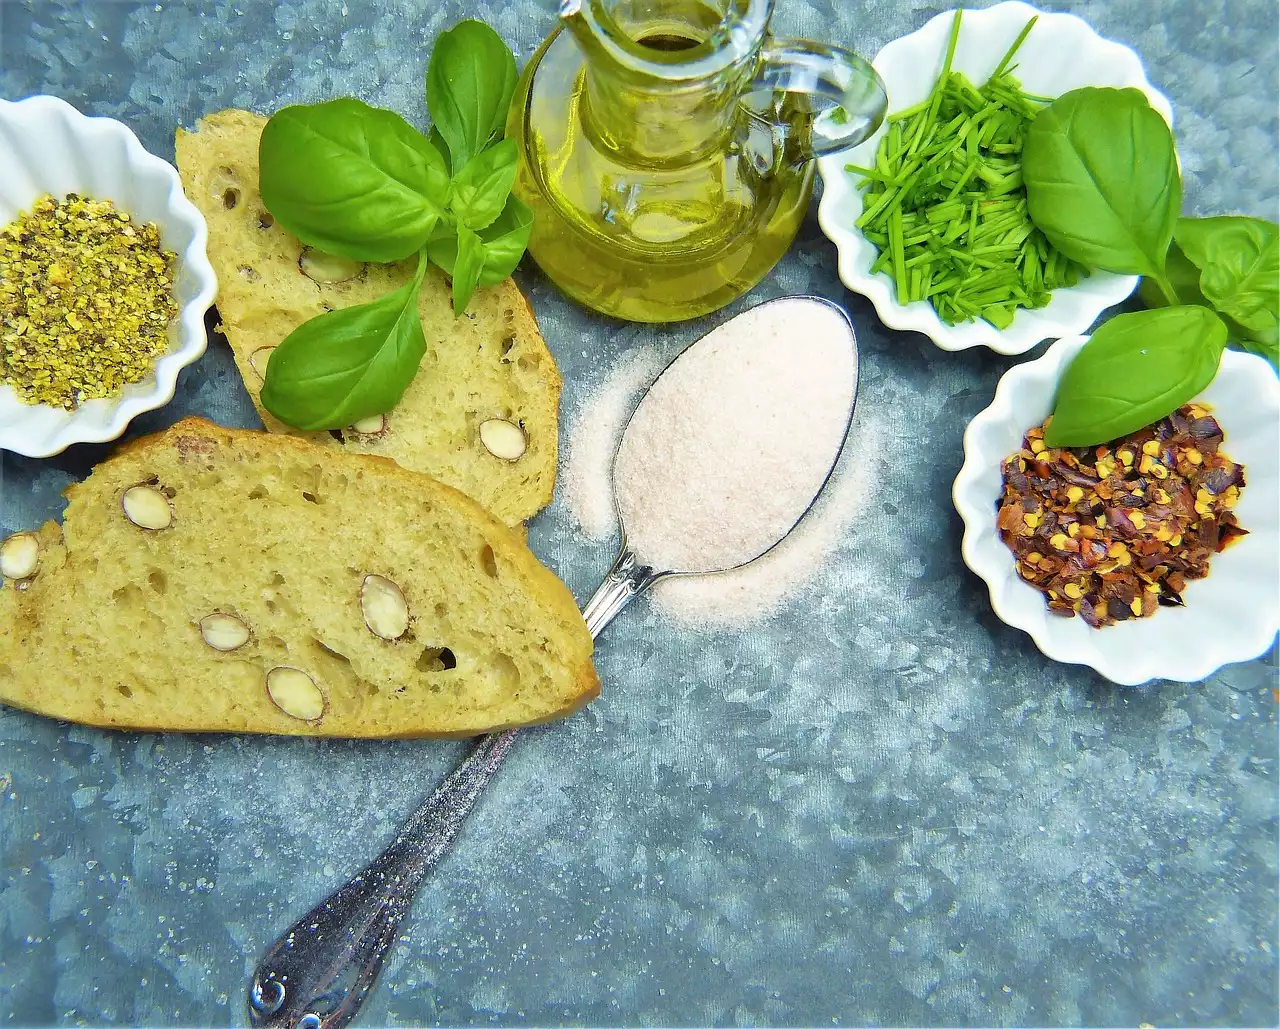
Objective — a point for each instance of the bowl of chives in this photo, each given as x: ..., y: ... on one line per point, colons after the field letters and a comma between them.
x: 928, y: 215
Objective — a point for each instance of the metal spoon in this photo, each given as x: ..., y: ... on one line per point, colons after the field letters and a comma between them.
x: 319, y: 973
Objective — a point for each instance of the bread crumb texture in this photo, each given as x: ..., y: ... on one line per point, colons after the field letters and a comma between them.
x: 283, y: 536
x: 490, y: 363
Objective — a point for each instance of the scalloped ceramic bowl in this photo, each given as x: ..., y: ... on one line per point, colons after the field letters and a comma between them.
x: 47, y: 146
x: 1060, y: 54
x: 1233, y: 614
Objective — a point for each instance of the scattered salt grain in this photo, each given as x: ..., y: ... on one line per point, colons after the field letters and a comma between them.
x: 594, y: 435
x: 734, y: 598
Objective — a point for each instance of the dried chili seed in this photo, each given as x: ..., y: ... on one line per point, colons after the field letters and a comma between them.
x: 1114, y: 532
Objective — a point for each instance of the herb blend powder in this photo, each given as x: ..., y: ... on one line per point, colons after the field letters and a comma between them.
x: 86, y: 298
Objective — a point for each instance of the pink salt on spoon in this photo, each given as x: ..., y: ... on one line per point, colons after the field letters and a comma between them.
x: 731, y: 446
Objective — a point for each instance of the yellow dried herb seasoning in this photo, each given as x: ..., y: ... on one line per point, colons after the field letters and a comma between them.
x: 86, y: 298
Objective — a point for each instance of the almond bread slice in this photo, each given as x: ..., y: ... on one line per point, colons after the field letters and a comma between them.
x: 492, y: 363
x: 209, y: 579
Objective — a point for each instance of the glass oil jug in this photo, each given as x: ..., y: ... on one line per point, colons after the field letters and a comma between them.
x: 666, y: 148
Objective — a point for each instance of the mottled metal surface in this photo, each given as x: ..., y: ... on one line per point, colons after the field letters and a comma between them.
x: 883, y: 807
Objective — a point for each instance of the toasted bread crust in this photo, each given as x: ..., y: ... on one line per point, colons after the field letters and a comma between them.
x: 279, y: 532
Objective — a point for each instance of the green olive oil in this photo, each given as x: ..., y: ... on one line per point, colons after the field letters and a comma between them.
x: 654, y: 198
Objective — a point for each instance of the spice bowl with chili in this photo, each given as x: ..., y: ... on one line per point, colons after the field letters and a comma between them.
x: 104, y: 279
x: 1156, y: 556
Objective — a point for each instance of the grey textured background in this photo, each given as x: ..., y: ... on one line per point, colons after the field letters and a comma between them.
x: 883, y: 807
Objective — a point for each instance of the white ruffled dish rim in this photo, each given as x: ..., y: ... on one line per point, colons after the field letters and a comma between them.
x: 47, y: 146
x: 1231, y: 615
x: 1060, y: 54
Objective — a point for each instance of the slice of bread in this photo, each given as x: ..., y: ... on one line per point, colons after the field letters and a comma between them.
x: 280, y: 538
x: 490, y: 363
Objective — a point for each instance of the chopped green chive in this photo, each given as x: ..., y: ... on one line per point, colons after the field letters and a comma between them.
x: 945, y: 203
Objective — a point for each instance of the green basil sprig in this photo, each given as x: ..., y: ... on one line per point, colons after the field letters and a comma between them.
x: 1151, y: 362
x: 503, y: 242
x: 1102, y: 183
x: 361, y: 182
x: 1238, y: 260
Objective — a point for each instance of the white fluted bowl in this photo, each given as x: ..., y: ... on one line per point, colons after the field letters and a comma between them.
x: 47, y: 146
x: 1233, y: 614
x: 1060, y: 54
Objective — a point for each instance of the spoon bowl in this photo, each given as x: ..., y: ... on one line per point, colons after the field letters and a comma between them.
x: 634, y: 569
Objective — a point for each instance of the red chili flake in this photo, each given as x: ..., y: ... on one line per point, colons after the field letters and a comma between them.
x: 1115, y: 531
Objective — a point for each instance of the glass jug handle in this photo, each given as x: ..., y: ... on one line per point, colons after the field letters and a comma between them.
x: 849, y: 96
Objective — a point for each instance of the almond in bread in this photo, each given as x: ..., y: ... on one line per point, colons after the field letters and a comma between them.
x: 209, y: 579
x: 492, y: 363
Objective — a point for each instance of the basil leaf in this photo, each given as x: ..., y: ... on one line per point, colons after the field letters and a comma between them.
x: 1102, y: 180
x: 1135, y: 369
x: 351, y: 179
x: 470, y: 80
x: 1239, y: 262
x: 1184, y: 278
x: 504, y: 242
x: 349, y: 364
x: 467, y: 265
x: 437, y: 141
x: 481, y: 189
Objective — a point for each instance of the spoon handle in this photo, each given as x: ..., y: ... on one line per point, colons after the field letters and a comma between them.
x: 625, y: 580
x: 318, y: 974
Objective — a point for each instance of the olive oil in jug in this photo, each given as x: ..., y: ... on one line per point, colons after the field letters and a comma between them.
x: 666, y: 149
